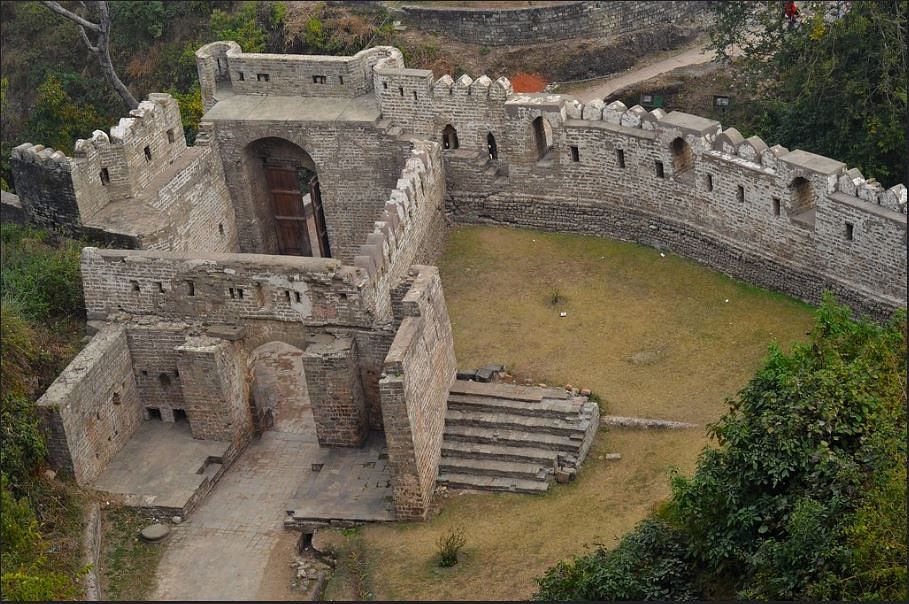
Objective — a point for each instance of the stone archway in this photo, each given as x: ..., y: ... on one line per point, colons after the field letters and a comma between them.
x: 278, y: 389
x: 541, y: 130
x: 287, y: 197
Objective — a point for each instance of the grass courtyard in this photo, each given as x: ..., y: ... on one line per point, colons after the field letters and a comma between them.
x: 653, y: 336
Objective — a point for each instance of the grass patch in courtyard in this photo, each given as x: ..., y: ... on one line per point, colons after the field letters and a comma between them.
x: 128, y: 563
x: 653, y: 336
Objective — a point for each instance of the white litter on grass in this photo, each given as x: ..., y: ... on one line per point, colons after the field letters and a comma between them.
x: 662, y: 255
x: 563, y: 314
x: 726, y: 300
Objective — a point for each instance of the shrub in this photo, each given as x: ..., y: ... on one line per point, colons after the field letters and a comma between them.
x: 449, y: 545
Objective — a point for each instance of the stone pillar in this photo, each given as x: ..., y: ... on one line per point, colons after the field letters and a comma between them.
x: 214, y: 390
x: 333, y: 381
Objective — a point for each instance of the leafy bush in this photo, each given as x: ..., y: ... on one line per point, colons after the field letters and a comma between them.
x: 449, y: 545
x: 803, y: 499
x: 39, y: 275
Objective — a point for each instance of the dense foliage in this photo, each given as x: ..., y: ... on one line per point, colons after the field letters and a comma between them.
x: 40, y: 315
x: 835, y: 84
x: 804, y: 497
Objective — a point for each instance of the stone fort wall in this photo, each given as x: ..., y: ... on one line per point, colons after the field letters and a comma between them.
x: 534, y: 25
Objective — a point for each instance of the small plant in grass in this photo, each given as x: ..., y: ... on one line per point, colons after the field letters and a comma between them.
x: 485, y: 50
x: 449, y: 545
x: 556, y: 297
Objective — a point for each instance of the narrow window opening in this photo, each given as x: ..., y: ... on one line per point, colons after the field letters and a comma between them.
x: 180, y: 415
x: 170, y: 136
x: 660, y: 173
x: 491, y: 146
x: 164, y: 380
x: 263, y: 77
x: 620, y: 157
x: 850, y: 231
x: 449, y: 137
x: 341, y: 80
x: 145, y: 373
x: 105, y: 176
x: 342, y: 297
x: 153, y: 413
x: 710, y: 182
x: 240, y: 293
x: 190, y: 288
x: 176, y: 372
x: 160, y: 287
x: 575, y: 154
x: 232, y: 293
x: 776, y: 206
x: 401, y: 90
x: 221, y: 229
x: 740, y: 193
x: 319, y: 79
x: 240, y: 76
x: 115, y: 399
x: 147, y: 153
x: 135, y: 286
x: 287, y: 295
x: 414, y: 95
x: 297, y: 297
x: 384, y: 85
x: 682, y: 157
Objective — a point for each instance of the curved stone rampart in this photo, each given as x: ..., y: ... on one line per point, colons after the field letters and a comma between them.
x: 533, y: 25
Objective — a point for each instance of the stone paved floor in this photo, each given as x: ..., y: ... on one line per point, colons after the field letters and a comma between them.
x: 159, y: 465
x: 222, y: 551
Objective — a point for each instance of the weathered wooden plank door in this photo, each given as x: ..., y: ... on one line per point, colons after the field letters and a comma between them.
x: 289, y: 213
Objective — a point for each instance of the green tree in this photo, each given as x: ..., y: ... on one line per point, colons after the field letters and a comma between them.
x: 834, y: 85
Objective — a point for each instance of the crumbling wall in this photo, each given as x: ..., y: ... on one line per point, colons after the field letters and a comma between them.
x: 419, y: 371
x: 93, y: 408
x: 411, y: 225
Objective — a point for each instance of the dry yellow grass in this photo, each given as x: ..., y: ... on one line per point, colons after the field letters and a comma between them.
x: 653, y: 336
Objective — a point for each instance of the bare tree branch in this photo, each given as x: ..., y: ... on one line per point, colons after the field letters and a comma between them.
x: 54, y: 6
x: 101, y: 46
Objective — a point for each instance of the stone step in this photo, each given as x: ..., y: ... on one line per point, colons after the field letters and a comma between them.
x: 492, y: 483
x: 510, y: 421
x: 518, y: 438
x: 545, y: 408
x: 494, y: 467
x: 543, y: 457
x: 507, y: 391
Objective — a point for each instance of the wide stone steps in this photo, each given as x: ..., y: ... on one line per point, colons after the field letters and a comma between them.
x: 545, y: 408
x: 492, y: 467
x: 515, y: 438
x: 493, y: 483
x: 535, y: 455
x: 506, y: 437
x: 510, y: 421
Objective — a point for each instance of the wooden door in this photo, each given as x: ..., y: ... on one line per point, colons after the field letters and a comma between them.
x: 315, y: 195
x: 289, y: 213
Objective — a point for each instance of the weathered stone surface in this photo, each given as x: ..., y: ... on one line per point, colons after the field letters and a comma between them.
x: 155, y: 532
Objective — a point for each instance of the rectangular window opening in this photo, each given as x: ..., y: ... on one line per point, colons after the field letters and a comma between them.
x: 160, y: 287
x: 153, y: 413
x: 319, y: 79
x: 740, y: 193
x: 287, y: 295
x: 170, y: 136
x: 415, y: 95
x: 240, y: 76
x: 232, y: 293
x: 297, y: 297
x: 850, y: 231
x: 190, y: 288
x: 135, y: 286
x: 620, y: 157
x: 384, y: 85
x: 240, y: 293
x: 147, y: 153
x: 105, y: 177
x: 710, y: 182
x: 575, y: 154
x: 341, y: 80
x: 401, y: 90
x: 660, y: 173
x: 263, y: 77
x: 776, y: 206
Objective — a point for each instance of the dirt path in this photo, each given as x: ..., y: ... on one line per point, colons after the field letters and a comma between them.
x: 600, y: 89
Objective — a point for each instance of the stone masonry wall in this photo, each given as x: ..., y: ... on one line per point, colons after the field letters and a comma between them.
x: 93, y: 407
x: 562, y: 21
x: 214, y: 389
x: 335, y: 391
x: 419, y: 370
x: 152, y: 347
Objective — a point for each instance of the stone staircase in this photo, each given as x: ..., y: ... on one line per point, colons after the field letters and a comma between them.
x: 504, y: 437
